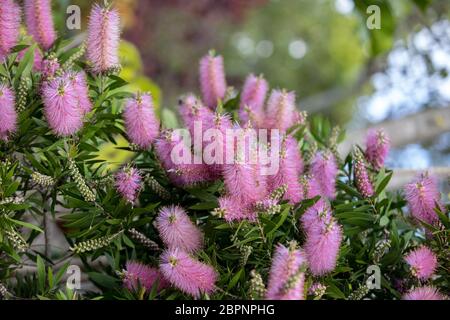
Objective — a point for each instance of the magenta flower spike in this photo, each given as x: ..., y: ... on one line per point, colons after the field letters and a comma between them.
x: 281, y: 110
x: 253, y: 95
x: 128, y: 183
x: 9, y: 27
x: 177, y: 230
x: 362, y: 179
x: 423, y: 262
x: 187, y: 274
x: 103, y: 38
x: 141, y: 124
x: 286, y: 278
x: 82, y: 91
x: 8, y: 118
x: 61, y: 106
x: 138, y: 274
x: 424, y: 293
x: 324, y: 169
x: 39, y: 21
x: 377, y: 148
x: 212, y: 80
x: 232, y: 210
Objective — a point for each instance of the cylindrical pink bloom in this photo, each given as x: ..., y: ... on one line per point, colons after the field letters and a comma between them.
x: 323, y: 241
x: 9, y: 27
x: 128, y: 183
x: 362, y: 179
x: 290, y: 168
x: 8, y: 114
x: 194, y: 113
x: 82, y: 91
x: 324, y: 170
x: 286, y: 279
x: 39, y: 21
x: 212, y: 80
x: 61, y: 106
x: 234, y: 210
x: 48, y: 67
x: 422, y: 195
x: 377, y: 148
x: 281, y: 112
x: 423, y: 262
x: 253, y: 96
x: 138, y: 274
x: 103, y: 38
x: 424, y: 293
x: 141, y: 124
x: 177, y: 230
x: 316, y: 216
x: 187, y: 274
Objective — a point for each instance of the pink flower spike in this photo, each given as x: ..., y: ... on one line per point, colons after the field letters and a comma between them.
x: 39, y: 21
x: 422, y: 194
x: 61, y: 106
x: 281, y: 110
x: 8, y: 119
x: 232, y: 210
x: 252, y: 100
x: 424, y: 293
x: 377, y: 148
x: 323, y: 241
x: 317, y: 216
x: 140, y: 274
x: 286, y: 279
x: 423, y: 262
x: 103, y: 38
x: 9, y: 27
x: 324, y: 169
x: 187, y: 274
x: 141, y: 124
x: 128, y: 183
x: 212, y: 80
x: 177, y: 230
x: 82, y: 91
x: 49, y: 67
x: 362, y: 179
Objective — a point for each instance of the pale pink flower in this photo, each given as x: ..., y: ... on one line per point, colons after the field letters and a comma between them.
x: 377, y: 148
x: 61, y: 106
x: 138, y: 274
x: 187, y: 274
x: 286, y: 279
x: 424, y: 293
x: 233, y: 210
x: 422, y: 195
x: 212, y: 79
x: 9, y: 27
x: 316, y: 216
x: 82, y: 91
x: 290, y: 168
x: 141, y: 124
x: 8, y: 118
x: 324, y: 169
x: 192, y: 111
x: 322, y: 245
x: 177, y: 230
x: 362, y: 179
x: 281, y: 113
x: 253, y: 96
x: 312, y: 187
x: 39, y: 21
x: 103, y: 38
x: 423, y: 262
x: 128, y: 183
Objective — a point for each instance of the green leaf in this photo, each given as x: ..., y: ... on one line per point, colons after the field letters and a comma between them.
x: 25, y: 65
x: 25, y: 224
x: 40, y: 273
x: 384, y: 183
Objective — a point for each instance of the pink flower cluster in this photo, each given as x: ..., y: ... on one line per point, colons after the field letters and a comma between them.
x: 423, y: 262
x: 39, y: 21
x: 128, y: 183
x: 377, y: 148
x: 9, y: 27
x: 140, y: 275
x: 8, y: 119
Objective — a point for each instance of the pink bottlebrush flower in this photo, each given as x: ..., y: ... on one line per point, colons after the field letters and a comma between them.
x: 252, y: 100
x: 232, y: 210
x: 128, y: 183
x: 312, y: 187
x: 8, y: 119
x: 187, y: 274
x: 316, y: 216
x: 82, y: 91
x: 377, y: 148
x: 177, y: 230
x: 322, y: 245
x: 324, y: 169
x: 39, y: 21
x: 61, y: 106
x: 423, y: 262
x: 192, y: 111
x: 422, y: 195
x: 212, y: 80
x: 281, y: 112
x: 362, y: 179
x: 49, y: 67
x: 286, y: 279
x: 290, y: 168
x: 141, y: 124
x: 9, y: 27
x: 424, y: 293
x: 140, y: 274
x: 103, y: 38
